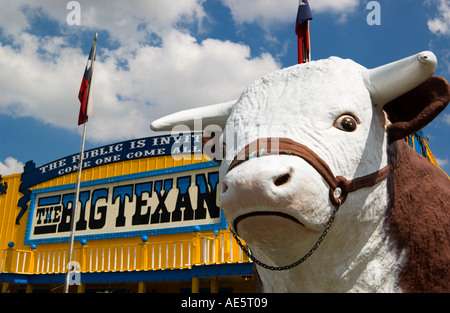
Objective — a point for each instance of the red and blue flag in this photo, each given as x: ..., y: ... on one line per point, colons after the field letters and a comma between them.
x: 302, y: 30
x: 86, y: 93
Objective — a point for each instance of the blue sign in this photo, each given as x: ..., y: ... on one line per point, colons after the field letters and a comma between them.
x: 175, y: 145
x: 166, y: 201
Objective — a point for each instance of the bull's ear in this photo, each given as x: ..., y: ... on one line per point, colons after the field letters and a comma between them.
x: 417, y: 108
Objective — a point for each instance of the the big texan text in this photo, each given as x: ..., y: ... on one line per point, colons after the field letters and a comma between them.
x: 148, y: 200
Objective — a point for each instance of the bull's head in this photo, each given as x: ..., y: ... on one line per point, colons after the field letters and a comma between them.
x: 305, y: 140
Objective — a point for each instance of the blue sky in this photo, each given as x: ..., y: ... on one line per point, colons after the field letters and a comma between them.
x: 157, y: 57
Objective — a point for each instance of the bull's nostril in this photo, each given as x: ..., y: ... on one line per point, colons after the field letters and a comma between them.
x: 282, y: 179
x: 224, y: 187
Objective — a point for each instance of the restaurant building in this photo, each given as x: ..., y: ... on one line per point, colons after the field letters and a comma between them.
x: 148, y: 220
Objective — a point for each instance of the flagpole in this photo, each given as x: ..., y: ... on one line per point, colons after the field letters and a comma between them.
x: 308, y: 42
x: 74, y: 209
x: 80, y: 169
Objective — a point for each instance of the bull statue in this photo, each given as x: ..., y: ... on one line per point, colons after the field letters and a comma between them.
x: 317, y: 179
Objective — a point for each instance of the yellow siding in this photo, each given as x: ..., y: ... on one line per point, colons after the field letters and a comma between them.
x: 160, y: 252
x: 8, y: 210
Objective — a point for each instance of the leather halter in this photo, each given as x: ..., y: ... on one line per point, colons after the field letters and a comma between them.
x: 286, y: 146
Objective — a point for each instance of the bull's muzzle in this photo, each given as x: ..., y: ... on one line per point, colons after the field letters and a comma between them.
x: 340, y: 187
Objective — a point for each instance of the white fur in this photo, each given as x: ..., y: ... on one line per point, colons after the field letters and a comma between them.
x: 302, y: 103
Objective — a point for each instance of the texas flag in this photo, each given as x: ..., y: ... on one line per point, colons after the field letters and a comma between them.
x: 302, y: 31
x: 86, y: 93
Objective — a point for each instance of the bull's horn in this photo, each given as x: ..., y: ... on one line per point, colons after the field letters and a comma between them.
x: 388, y: 82
x: 216, y: 114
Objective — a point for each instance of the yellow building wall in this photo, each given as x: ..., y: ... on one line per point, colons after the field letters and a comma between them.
x: 10, y: 232
x: 181, y: 250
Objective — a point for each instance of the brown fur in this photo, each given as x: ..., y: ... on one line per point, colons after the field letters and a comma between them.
x: 418, y: 221
x: 417, y: 108
x: 418, y: 217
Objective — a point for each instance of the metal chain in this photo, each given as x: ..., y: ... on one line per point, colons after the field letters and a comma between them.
x: 303, y: 259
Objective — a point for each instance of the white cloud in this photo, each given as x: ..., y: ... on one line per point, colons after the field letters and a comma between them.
x: 342, y: 6
x: 441, y: 162
x: 126, y: 21
x: 13, y: 20
x: 40, y: 76
x: 39, y: 84
x: 11, y: 166
x: 447, y: 118
x: 180, y: 74
x: 266, y: 12
x: 441, y: 24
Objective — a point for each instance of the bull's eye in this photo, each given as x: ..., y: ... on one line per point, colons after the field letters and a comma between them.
x: 346, y: 123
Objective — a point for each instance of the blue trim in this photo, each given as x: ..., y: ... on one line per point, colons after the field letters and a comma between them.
x: 117, y: 152
x: 215, y: 270
x: 50, y: 200
x: 175, y: 230
x: 162, y: 145
x: 165, y: 171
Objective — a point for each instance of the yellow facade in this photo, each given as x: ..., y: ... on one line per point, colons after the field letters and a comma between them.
x: 189, y: 260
